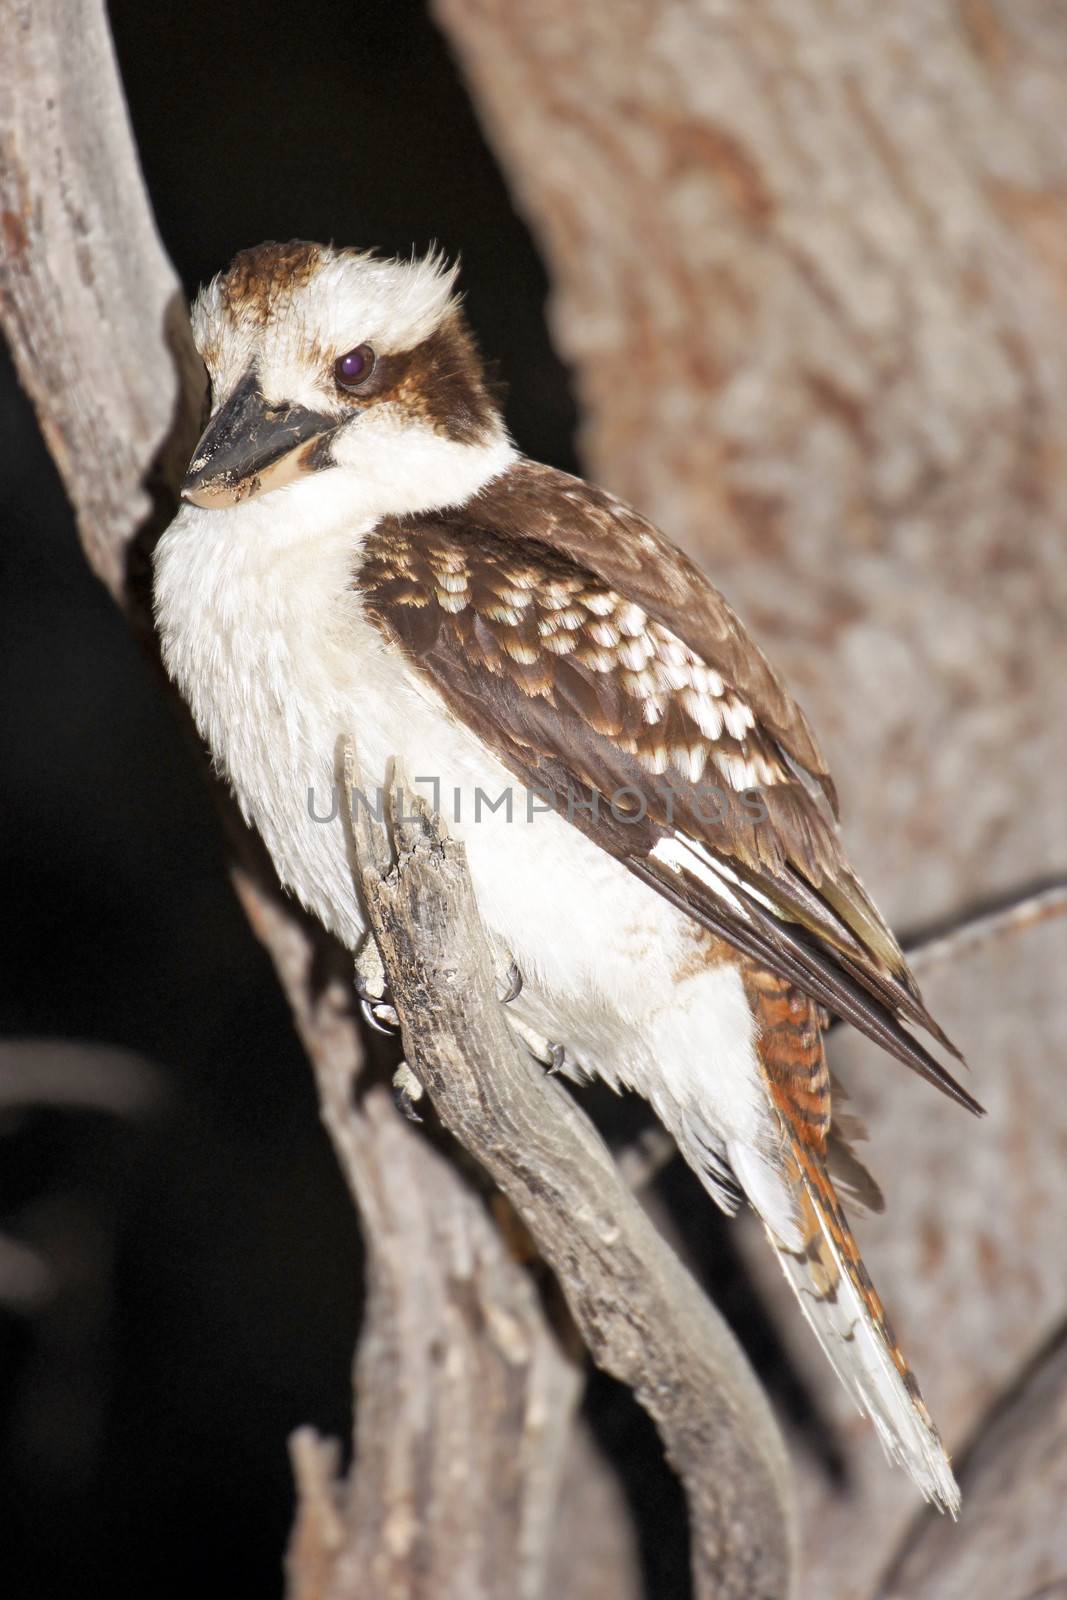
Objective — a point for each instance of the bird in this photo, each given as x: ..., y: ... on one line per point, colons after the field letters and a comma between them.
x: 649, y: 823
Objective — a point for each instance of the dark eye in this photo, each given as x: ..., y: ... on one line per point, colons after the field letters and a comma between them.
x: 354, y: 368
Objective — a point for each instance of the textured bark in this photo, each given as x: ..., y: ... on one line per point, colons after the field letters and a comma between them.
x: 810, y: 265
x: 638, y: 1310
x: 809, y: 262
x: 595, y: 1553
x: 464, y: 1393
x: 91, y: 306
x: 464, y: 1398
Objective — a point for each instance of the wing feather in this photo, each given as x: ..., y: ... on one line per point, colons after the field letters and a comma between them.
x: 597, y: 662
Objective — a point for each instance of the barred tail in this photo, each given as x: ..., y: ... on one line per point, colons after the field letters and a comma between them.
x: 840, y: 1302
x: 811, y: 1236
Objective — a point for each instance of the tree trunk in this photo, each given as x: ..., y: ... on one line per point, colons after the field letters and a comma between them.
x: 809, y: 263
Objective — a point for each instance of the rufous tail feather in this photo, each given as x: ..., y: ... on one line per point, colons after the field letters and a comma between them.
x: 811, y: 1236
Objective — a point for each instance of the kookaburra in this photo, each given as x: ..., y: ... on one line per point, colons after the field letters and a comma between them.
x: 363, y: 550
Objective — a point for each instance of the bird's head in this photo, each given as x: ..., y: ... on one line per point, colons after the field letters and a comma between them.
x: 326, y: 361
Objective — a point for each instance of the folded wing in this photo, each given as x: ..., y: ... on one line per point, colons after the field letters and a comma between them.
x: 605, y: 672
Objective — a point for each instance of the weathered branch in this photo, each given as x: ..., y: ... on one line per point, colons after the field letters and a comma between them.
x: 464, y: 1396
x: 637, y: 1308
x: 969, y: 935
x: 91, y: 306
x: 80, y: 1076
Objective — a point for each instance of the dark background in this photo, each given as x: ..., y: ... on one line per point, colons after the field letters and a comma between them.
x: 204, y: 1257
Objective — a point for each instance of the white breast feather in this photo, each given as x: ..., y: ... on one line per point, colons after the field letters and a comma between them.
x: 265, y: 635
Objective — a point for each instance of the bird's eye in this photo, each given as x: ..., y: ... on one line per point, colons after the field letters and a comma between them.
x: 355, y: 367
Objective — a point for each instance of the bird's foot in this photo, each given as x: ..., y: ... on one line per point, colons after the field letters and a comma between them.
x: 375, y: 1001
x: 513, y: 984
x: 557, y: 1059
x: 407, y: 1092
x: 552, y: 1056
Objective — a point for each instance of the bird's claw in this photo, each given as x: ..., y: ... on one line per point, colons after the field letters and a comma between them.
x: 372, y: 989
x: 553, y: 1057
x: 407, y: 1092
x: 514, y: 984
x: 379, y: 1015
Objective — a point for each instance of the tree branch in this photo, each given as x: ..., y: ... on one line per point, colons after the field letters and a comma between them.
x: 970, y: 934
x: 82, y: 271
x: 637, y: 1308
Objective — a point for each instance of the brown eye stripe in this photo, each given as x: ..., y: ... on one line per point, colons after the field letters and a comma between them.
x: 439, y: 382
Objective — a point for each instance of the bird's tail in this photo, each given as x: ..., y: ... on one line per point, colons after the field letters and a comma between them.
x: 806, y: 1225
x: 842, y: 1305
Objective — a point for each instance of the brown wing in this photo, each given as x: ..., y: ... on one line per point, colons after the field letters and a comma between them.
x: 645, y: 742
x: 628, y: 553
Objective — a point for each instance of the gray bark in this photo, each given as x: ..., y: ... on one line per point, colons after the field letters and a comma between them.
x: 638, y: 1310
x: 809, y: 264
x: 91, y: 307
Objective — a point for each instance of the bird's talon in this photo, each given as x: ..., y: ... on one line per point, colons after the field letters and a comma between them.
x: 380, y: 1016
x: 407, y: 1092
x: 514, y: 984
x: 406, y: 1104
x: 556, y: 1057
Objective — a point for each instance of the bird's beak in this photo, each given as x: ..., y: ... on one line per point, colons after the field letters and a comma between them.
x: 249, y: 446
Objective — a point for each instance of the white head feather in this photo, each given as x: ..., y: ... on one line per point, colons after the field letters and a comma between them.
x: 287, y: 312
x: 316, y: 298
